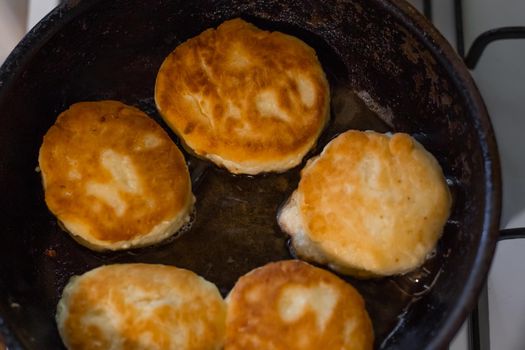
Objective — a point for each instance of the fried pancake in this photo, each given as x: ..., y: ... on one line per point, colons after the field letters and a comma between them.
x: 141, y: 306
x: 293, y: 305
x: 370, y: 205
x: 248, y: 100
x: 113, y: 176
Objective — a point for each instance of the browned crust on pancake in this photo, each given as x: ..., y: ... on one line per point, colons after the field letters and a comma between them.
x: 74, y: 144
x: 228, y: 67
x: 373, y: 202
x: 141, y: 306
x: 254, y: 318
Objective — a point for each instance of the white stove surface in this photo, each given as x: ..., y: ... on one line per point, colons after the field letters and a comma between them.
x: 500, y: 76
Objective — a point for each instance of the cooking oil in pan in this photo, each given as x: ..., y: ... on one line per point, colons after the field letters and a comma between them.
x: 233, y: 229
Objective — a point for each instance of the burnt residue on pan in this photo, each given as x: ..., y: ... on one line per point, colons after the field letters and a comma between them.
x: 383, y: 76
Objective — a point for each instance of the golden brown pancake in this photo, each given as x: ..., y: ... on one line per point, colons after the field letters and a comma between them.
x: 113, y: 176
x: 141, y: 307
x: 293, y: 305
x: 249, y: 100
x: 370, y: 205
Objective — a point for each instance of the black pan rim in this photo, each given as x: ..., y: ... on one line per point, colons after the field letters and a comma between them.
x: 458, y: 71
x: 10, y: 70
x: 443, y: 53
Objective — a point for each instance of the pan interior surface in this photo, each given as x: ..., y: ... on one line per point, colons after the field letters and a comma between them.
x: 382, y: 77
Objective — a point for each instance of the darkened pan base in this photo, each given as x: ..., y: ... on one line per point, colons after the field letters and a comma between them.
x: 113, y: 51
